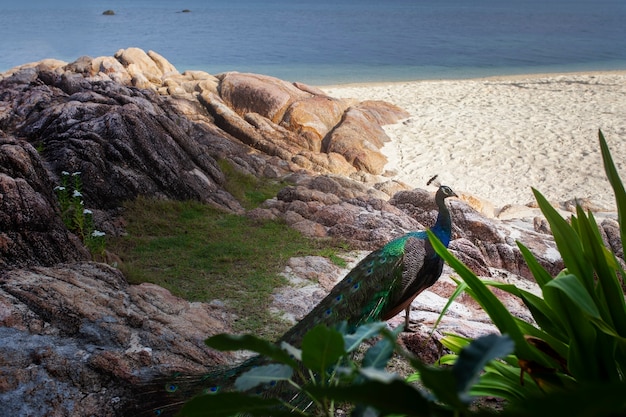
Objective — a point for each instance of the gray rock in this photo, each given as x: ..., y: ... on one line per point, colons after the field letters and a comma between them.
x: 76, y: 338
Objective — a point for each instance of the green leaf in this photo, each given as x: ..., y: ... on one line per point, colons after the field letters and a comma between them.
x: 229, y: 404
x: 476, y: 355
x: 362, y: 333
x: 616, y: 183
x: 394, y: 397
x: 568, y: 243
x: 267, y: 374
x: 377, y: 374
x: 571, y: 286
x: 582, y: 334
x: 460, y: 289
x: 488, y: 301
x: 321, y: 348
x: 378, y: 355
x: 610, y: 295
x: 228, y: 342
x: 597, y: 400
x: 539, y: 272
x: 454, y: 342
x: 442, y: 383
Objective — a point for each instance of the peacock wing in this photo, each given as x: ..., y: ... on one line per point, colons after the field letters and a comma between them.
x: 416, y: 251
x: 361, y: 297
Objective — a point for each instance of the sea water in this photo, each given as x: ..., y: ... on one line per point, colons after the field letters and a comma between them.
x: 327, y: 41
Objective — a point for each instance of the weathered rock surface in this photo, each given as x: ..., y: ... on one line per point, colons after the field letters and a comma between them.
x: 31, y: 229
x: 76, y: 338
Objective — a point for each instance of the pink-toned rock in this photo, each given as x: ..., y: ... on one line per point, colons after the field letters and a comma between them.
x: 313, y: 118
x: 310, y: 228
x: 381, y: 112
x: 143, y: 69
x: 262, y: 94
x: 358, y: 138
x: 166, y: 68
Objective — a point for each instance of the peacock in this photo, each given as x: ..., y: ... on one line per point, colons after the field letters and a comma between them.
x: 380, y: 286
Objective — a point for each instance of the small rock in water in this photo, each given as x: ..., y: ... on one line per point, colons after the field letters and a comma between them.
x: 108, y: 12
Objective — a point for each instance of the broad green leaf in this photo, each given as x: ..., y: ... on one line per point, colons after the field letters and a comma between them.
x: 228, y: 342
x: 507, y: 380
x: 609, y: 294
x: 362, y: 333
x: 582, y: 334
x: 378, y: 355
x: 321, y: 348
x: 558, y: 344
x: 229, y: 404
x: 454, y: 342
x: 377, y: 374
x: 597, y: 400
x: 267, y: 374
x: 442, y: 383
x: 476, y: 355
x: 544, y: 316
x: 568, y: 243
x: 394, y: 397
x: 571, y: 286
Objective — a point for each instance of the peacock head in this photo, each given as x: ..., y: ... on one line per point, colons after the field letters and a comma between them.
x: 443, y: 192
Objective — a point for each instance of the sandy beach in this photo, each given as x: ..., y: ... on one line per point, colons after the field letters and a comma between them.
x: 495, y: 138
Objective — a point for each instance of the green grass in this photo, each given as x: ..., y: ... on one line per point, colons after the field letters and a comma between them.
x: 248, y: 189
x: 202, y: 254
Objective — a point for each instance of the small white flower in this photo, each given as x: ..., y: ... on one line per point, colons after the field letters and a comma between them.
x: 97, y: 233
x: 65, y: 173
x: 59, y: 188
x: 76, y: 193
x: 75, y: 173
x: 87, y: 211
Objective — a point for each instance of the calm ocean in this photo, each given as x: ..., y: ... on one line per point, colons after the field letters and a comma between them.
x: 328, y: 41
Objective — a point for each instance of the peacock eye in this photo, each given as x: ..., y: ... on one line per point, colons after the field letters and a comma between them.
x: 339, y: 298
x: 171, y: 388
x: 213, y: 390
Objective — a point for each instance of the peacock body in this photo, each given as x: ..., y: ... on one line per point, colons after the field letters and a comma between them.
x: 381, y: 285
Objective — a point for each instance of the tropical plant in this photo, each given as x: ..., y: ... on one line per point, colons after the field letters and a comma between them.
x: 323, y: 374
x: 572, y: 359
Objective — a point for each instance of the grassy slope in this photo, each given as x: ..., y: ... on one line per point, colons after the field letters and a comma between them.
x: 202, y: 254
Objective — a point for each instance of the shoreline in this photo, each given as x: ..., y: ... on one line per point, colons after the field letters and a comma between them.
x: 496, y: 137
x: 505, y: 77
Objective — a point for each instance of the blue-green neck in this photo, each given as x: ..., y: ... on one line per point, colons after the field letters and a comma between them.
x: 443, y: 227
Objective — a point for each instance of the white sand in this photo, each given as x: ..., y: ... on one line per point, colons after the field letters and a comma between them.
x: 495, y: 138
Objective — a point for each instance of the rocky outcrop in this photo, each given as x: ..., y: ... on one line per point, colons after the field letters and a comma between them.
x: 31, y: 229
x: 77, y: 340
x: 331, y: 206
x: 296, y: 122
